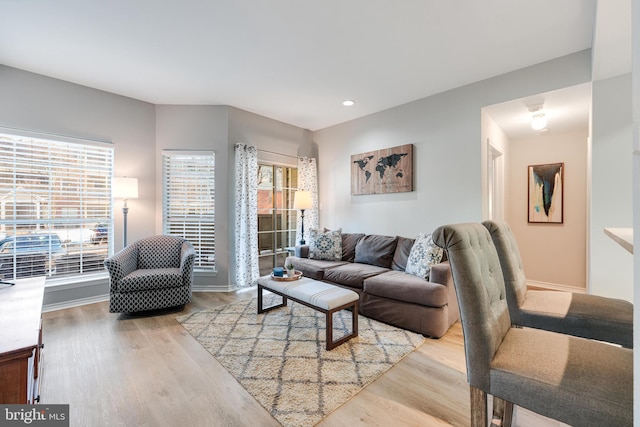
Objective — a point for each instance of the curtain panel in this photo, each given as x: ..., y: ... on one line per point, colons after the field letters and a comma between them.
x: 246, y: 215
x: 308, y: 181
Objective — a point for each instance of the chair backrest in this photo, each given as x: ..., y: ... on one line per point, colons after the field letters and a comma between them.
x: 511, y: 263
x: 477, y: 278
x: 159, y: 251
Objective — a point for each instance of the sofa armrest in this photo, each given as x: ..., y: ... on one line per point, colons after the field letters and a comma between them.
x: 187, y: 259
x: 121, y: 264
x: 302, y: 251
x: 441, y: 273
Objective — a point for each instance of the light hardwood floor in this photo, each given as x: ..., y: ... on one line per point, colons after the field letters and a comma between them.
x: 117, y: 370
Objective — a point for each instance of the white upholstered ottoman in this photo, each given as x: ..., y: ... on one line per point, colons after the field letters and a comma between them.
x: 317, y: 295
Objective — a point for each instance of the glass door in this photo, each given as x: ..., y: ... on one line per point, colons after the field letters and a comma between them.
x: 277, y: 220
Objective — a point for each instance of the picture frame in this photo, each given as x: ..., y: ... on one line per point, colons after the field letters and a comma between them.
x: 389, y: 170
x: 546, y: 193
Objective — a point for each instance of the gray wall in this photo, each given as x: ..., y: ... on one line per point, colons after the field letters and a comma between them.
x: 42, y: 104
x: 218, y: 128
x: 445, y: 130
x: 611, y: 267
x: 139, y: 132
x: 181, y: 127
x: 269, y: 136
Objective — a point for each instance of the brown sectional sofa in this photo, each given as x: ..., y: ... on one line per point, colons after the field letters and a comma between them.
x: 373, y: 266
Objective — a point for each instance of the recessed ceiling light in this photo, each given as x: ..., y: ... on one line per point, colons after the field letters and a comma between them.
x: 349, y: 103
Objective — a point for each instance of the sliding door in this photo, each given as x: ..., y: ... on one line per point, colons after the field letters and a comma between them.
x: 276, y: 216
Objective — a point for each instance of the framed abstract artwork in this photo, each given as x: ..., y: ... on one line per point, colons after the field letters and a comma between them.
x: 382, y: 171
x: 546, y: 193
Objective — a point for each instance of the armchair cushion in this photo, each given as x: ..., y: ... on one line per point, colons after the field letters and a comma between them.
x: 153, y: 278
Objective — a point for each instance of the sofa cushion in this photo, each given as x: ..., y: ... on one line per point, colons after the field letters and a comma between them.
x: 313, y: 268
x: 376, y: 250
x: 400, y: 256
x: 406, y: 287
x: 325, y: 245
x: 423, y: 255
x: 349, y: 242
x: 352, y: 274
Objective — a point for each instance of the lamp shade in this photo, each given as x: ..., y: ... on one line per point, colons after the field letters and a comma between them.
x: 302, y: 200
x: 125, y: 188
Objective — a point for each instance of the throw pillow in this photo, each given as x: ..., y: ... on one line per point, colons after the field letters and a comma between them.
x: 349, y: 242
x: 376, y: 250
x: 325, y: 245
x: 401, y: 255
x: 423, y: 255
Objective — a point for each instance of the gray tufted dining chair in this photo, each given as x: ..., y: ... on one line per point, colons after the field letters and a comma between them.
x: 581, y: 315
x: 574, y: 380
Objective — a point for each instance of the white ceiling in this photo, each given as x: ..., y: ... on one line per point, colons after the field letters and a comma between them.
x: 290, y: 60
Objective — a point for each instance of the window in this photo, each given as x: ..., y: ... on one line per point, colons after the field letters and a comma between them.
x: 188, y: 205
x: 277, y: 220
x: 55, y: 206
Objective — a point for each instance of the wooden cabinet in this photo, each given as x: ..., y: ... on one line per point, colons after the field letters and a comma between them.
x: 21, y: 340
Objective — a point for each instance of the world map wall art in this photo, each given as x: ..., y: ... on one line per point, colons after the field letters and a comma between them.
x: 546, y: 187
x: 382, y: 171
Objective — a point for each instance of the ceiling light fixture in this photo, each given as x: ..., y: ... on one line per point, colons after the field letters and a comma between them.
x: 349, y: 103
x: 538, y: 120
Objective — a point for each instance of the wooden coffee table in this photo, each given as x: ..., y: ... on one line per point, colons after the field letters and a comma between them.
x: 317, y: 295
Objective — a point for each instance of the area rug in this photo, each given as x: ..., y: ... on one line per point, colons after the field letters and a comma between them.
x: 280, y: 357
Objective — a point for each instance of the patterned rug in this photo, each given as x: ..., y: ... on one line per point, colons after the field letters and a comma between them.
x: 280, y: 357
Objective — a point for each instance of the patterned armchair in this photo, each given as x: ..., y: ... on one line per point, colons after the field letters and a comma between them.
x: 152, y: 273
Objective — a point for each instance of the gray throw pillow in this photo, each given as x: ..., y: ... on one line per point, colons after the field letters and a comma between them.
x: 349, y: 242
x: 376, y: 250
x: 423, y: 255
x: 401, y: 255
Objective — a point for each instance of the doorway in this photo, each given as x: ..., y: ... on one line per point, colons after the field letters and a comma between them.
x: 277, y: 219
x: 495, y: 182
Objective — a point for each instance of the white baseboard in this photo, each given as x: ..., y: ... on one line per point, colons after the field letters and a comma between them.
x: 74, y: 303
x: 555, y: 287
x: 69, y: 289
x: 213, y: 288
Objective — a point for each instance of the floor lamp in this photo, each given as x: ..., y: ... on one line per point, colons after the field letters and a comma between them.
x: 125, y: 188
x: 302, y: 201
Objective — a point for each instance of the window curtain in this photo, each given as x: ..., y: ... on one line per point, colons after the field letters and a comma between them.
x: 246, y: 221
x: 308, y: 181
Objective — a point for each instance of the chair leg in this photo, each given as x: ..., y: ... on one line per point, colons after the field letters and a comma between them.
x: 478, y: 407
x: 502, y: 413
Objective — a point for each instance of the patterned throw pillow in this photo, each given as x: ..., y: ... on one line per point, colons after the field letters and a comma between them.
x: 423, y: 255
x: 325, y: 245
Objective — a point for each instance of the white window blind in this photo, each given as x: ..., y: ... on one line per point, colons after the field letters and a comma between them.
x: 188, y: 205
x: 55, y: 206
